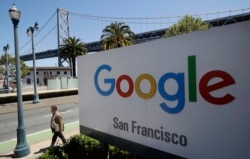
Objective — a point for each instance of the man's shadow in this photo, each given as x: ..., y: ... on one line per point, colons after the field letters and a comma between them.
x: 12, y: 155
x: 41, y: 150
x: 8, y: 155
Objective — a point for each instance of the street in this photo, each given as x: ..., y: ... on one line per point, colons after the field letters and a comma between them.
x: 35, y: 120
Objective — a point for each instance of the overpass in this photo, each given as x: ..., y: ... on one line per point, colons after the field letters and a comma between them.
x: 141, y: 37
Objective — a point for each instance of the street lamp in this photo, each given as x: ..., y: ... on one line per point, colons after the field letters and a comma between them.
x: 31, y: 30
x: 22, y: 148
x: 5, y: 48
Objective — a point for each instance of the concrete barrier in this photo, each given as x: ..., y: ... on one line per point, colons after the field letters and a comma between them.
x: 12, y: 97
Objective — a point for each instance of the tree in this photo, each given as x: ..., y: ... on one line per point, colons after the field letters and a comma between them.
x: 70, y: 49
x: 116, y: 35
x: 186, y: 25
x: 12, y: 66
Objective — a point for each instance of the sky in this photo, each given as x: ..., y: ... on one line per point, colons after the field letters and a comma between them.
x: 135, y: 13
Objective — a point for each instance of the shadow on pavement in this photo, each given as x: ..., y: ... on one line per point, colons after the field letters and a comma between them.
x: 41, y: 150
x: 8, y: 155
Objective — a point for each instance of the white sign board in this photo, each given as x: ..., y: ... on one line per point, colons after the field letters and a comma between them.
x: 186, y: 95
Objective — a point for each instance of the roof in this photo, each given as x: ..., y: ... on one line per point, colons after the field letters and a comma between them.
x: 51, y: 68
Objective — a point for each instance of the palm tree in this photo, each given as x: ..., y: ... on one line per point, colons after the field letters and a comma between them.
x: 70, y: 49
x: 116, y: 35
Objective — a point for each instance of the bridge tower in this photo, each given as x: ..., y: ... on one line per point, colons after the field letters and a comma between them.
x: 62, y: 31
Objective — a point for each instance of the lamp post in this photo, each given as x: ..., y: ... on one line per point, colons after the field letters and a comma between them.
x: 31, y: 30
x: 22, y: 148
x: 5, y: 48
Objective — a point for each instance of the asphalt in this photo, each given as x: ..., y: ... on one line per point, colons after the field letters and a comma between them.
x: 40, y: 141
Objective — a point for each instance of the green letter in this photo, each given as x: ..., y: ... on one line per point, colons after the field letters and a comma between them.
x: 192, y: 78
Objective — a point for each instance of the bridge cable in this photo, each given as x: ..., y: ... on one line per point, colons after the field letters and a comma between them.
x: 112, y: 19
x: 39, y: 30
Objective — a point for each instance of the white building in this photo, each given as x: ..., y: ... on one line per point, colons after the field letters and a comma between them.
x: 45, y: 73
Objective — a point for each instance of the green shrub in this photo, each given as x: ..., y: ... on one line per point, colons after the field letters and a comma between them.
x: 75, y: 146
x: 56, y: 152
x: 80, y: 146
x: 116, y: 153
x: 83, y: 147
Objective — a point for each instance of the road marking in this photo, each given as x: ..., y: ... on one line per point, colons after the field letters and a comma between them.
x: 67, y: 111
x: 36, y: 133
x: 45, y: 116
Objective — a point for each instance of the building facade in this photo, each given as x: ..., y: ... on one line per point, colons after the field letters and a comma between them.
x: 45, y: 73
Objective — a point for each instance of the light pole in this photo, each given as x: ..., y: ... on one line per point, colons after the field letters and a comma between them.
x: 31, y: 30
x: 22, y: 148
x: 5, y: 48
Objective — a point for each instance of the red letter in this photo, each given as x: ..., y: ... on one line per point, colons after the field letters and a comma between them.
x: 205, y: 89
x: 130, y: 86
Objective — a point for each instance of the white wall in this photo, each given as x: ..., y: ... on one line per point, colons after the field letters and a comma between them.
x: 41, y: 75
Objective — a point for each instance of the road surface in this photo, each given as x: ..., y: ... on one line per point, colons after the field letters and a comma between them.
x: 35, y: 120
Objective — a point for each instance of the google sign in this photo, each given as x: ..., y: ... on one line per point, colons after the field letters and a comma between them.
x: 179, y: 97
x: 178, y: 77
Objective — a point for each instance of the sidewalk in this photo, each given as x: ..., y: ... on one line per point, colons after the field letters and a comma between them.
x: 37, y: 148
x: 40, y: 141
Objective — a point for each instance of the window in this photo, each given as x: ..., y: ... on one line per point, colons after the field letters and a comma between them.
x: 28, y: 81
x: 45, y: 73
x: 37, y: 73
x: 28, y: 73
x: 65, y: 72
x: 58, y: 72
x: 45, y: 80
x: 50, y: 73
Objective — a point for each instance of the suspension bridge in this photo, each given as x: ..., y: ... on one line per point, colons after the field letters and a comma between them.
x: 63, y: 28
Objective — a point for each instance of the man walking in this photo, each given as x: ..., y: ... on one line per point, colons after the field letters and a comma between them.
x: 56, y: 125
